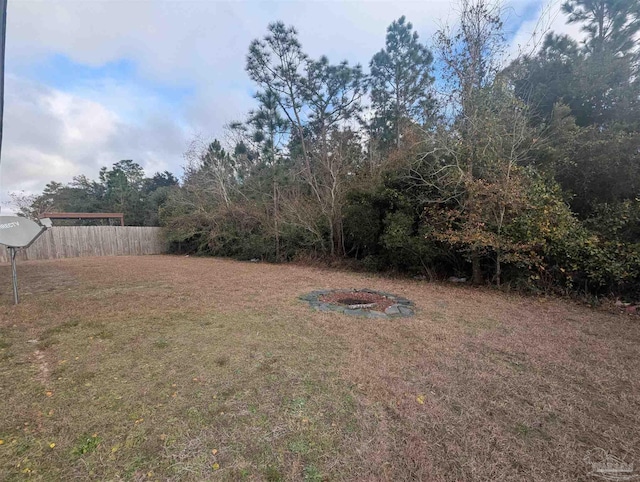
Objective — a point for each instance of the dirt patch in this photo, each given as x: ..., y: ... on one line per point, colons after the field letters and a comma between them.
x: 43, y: 367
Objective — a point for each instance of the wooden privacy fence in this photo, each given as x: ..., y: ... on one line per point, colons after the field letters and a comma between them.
x: 80, y: 241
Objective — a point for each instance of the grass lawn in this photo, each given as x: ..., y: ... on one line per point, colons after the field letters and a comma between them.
x: 173, y: 368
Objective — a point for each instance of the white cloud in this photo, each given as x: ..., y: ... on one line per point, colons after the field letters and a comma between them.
x: 83, y: 121
x: 54, y: 135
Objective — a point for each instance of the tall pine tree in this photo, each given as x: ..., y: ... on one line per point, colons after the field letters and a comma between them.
x: 399, y: 82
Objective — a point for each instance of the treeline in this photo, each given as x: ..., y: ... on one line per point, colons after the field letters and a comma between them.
x: 123, y: 188
x: 438, y: 161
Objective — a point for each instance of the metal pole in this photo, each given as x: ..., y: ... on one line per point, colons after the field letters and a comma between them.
x: 14, y: 275
x: 3, y: 35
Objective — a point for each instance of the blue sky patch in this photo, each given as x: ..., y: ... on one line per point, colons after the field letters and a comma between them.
x: 62, y: 73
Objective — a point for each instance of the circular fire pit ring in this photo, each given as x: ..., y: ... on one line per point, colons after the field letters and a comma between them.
x: 361, y: 302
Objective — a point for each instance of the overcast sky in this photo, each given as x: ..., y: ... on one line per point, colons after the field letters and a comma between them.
x: 89, y: 83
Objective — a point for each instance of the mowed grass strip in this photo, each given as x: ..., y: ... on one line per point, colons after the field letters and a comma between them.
x: 171, y: 368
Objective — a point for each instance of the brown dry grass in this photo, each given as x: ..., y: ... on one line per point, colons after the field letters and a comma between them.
x: 140, y: 368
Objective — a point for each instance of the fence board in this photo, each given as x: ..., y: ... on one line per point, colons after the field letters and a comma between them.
x: 76, y: 241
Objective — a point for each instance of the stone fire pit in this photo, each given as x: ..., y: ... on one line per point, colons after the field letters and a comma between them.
x: 364, y: 302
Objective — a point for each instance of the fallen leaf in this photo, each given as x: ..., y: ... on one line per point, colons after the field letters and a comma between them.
x: 216, y: 466
x: 420, y: 399
x: 49, y: 394
x: 51, y: 445
x: 214, y: 451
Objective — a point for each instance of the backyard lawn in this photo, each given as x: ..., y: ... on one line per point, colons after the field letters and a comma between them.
x: 174, y: 368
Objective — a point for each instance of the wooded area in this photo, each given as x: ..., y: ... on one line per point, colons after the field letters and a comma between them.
x: 443, y: 159
x: 80, y: 241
